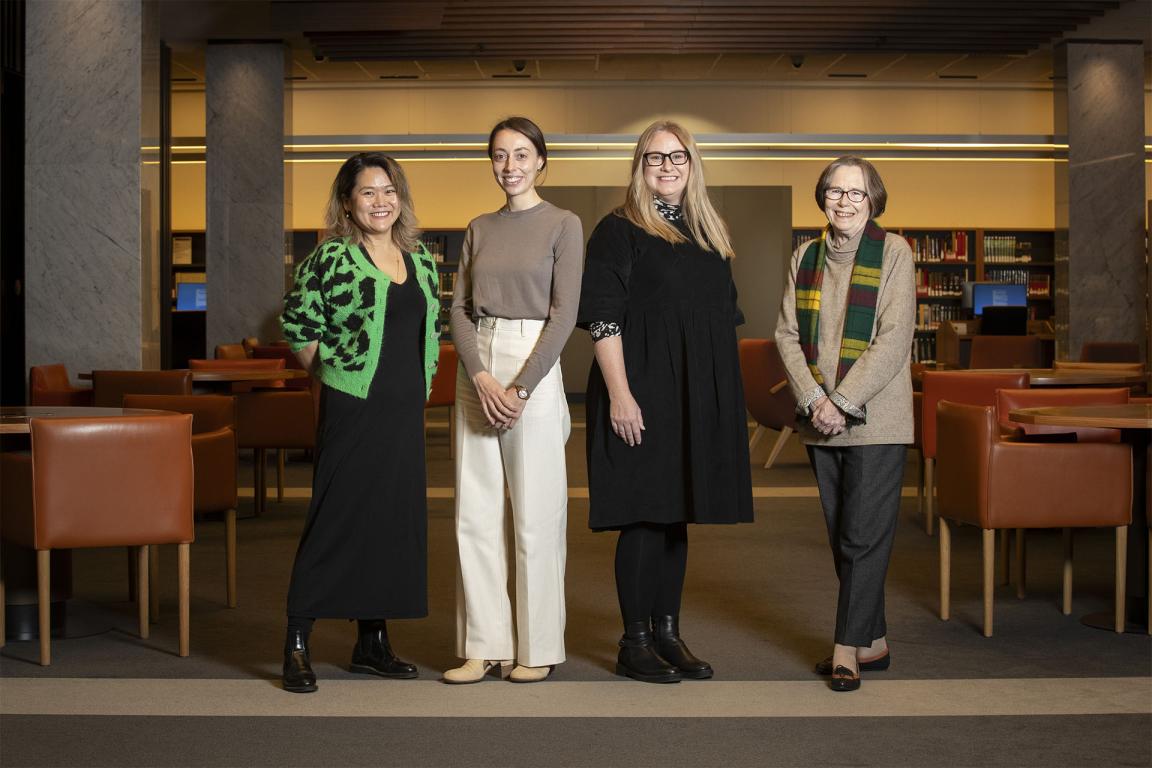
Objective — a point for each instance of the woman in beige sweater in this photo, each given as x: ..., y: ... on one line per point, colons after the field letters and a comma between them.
x: 845, y: 333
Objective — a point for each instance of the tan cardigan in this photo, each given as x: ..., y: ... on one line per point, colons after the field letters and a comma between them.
x: 879, y: 381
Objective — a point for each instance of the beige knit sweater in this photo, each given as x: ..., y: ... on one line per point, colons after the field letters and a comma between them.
x: 879, y: 381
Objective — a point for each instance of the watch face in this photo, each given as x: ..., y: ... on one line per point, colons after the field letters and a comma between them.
x: 522, y: 393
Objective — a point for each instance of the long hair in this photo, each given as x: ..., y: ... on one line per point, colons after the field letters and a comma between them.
x: 405, y: 232
x: 708, y: 230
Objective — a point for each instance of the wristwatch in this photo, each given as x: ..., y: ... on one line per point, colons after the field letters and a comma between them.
x: 521, y: 392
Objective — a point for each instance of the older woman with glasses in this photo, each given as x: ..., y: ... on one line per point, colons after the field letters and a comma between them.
x: 667, y: 434
x: 845, y: 332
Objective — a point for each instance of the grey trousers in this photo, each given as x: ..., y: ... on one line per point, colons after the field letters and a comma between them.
x: 860, y: 492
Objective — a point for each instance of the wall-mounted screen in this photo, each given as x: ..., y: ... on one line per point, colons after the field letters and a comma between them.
x: 191, y: 297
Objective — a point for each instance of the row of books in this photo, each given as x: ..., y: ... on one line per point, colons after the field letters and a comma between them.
x: 929, y: 316
x: 924, y: 349
x: 1039, y: 283
x: 447, y: 285
x: 929, y: 283
x: 944, y: 247
x: 436, y: 246
x: 1006, y: 249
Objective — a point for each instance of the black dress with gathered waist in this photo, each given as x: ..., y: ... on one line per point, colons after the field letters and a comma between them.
x: 676, y: 305
x: 364, y: 552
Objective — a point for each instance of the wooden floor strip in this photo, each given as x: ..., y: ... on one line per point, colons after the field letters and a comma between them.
x: 493, y: 698
x: 786, y: 492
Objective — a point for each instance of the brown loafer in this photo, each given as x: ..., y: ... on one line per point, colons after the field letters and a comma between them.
x: 844, y: 679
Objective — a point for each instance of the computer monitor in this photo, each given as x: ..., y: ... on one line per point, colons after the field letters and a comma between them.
x: 191, y: 297
x: 977, y: 296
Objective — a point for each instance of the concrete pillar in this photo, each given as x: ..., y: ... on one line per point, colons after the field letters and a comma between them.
x: 1101, y: 277
x: 85, y: 293
x: 244, y: 98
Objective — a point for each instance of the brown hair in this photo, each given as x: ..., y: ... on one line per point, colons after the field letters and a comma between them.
x: 528, y: 129
x: 873, y: 184
x: 405, y: 232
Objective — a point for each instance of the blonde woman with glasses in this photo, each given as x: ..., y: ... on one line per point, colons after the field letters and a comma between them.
x: 667, y: 434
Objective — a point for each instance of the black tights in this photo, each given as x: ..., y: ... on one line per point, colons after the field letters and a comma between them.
x: 304, y: 624
x: 650, y: 562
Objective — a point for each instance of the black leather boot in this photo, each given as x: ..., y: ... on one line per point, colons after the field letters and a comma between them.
x: 372, y: 654
x: 666, y: 634
x: 297, y: 676
x: 638, y: 658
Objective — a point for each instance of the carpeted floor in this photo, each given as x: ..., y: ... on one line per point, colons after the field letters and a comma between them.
x: 759, y: 605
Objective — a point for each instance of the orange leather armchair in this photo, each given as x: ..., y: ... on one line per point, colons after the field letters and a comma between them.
x: 1001, y: 484
x: 960, y: 387
x: 102, y: 483
x: 49, y: 385
x: 1006, y: 352
x: 230, y: 352
x: 1110, y: 352
x: 109, y: 387
x: 444, y: 392
x: 766, y: 393
x: 214, y: 459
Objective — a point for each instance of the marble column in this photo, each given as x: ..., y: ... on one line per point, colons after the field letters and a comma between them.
x: 1101, y: 277
x: 84, y: 290
x: 244, y: 98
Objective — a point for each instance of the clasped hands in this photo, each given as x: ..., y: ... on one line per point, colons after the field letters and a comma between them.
x: 826, y: 418
x: 502, y: 407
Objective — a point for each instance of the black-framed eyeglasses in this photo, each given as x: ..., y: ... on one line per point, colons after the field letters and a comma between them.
x: 855, y: 195
x: 657, y: 158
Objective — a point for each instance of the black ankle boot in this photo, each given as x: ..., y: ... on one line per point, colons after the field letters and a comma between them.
x: 638, y: 658
x: 372, y: 654
x: 297, y: 676
x: 666, y: 634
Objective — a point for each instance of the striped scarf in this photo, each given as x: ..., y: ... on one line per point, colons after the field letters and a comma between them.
x: 860, y: 314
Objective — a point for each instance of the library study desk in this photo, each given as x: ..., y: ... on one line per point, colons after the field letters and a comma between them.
x: 1135, y: 424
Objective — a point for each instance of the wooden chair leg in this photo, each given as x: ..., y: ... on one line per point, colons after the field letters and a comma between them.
x: 929, y: 493
x: 44, y: 603
x: 989, y: 536
x: 945, y: 570
x: 757, y: 436
x: 1005, y: 559
x: 184, y: 554
x: 154, y: 577
x: 778, y: 446
x: 1066, y: 604
x: 142, y: 586
x: 920, y: 485
x: 281, y: 458
x: 259, y: 490
x: 230, y: 555
x: 1121, y: 575
x: 1021, y: 564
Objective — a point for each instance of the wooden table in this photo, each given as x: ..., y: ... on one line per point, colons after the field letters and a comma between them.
x: 1135, y: 424
x: 1074, y: 377
x: 231, y: 375
x: 14, y: 419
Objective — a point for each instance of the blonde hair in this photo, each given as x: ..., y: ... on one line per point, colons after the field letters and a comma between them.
x: 405, y: 232
x: 708, y: 230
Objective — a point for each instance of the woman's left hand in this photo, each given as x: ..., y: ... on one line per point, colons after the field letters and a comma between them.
x: 827, y: 419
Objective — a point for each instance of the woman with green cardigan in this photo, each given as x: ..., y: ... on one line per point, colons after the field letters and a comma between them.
x: 362, y: 317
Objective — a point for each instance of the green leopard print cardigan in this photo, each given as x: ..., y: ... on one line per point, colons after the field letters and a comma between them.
x: 338, y: 301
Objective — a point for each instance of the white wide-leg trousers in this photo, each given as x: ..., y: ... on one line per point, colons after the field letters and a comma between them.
x: 531, y: 457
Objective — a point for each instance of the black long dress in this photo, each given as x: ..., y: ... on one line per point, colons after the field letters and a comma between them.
x: 676, y: 304
x: 364, y: 552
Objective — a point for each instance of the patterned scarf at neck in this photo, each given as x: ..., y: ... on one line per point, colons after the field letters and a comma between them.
x: 670, y: 211
x: 860, y: 314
